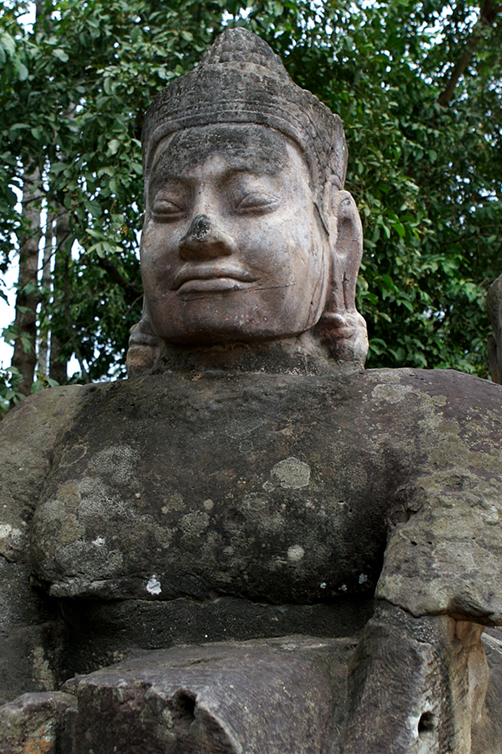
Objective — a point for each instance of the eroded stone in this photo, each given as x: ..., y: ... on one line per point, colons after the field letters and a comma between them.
x: 252, y: 697
x: 34, y: 723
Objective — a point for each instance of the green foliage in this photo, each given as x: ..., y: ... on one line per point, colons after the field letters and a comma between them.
x: 427, y: 179
x: 10, y: 379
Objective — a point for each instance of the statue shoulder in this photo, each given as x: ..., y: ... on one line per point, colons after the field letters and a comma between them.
x: 28, y: 435
x: 44, y: 413
x: 459, y: 391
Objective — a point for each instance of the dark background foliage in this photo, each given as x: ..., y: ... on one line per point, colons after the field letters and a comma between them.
x: 418, y: 85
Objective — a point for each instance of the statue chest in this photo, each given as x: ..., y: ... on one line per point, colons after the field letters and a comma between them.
x: 266, y: 487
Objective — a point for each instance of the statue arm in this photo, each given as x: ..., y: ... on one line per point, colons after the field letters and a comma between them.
x: 420, y: 674
x: 28, y: 435
x: 447, y: 559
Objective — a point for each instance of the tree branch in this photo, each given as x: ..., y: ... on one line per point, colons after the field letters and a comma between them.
x: 131, y: 292
x: 488, y: 14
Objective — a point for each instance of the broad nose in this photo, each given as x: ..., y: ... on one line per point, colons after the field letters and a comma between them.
x: 204, y: 240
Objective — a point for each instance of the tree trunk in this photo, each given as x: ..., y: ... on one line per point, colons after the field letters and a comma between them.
x: 57, y: 365
x: 24, y: 357
x: 45, y: 282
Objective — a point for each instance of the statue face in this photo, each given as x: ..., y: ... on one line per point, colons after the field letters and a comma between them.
x: 232, y: 246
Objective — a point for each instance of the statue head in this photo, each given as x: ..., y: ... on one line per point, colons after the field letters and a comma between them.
x: 494, y: 306
x: 249, y: 236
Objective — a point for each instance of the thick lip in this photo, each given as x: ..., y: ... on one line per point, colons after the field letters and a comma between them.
x: 191, y: 273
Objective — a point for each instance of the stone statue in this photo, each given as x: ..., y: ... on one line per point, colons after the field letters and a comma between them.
x: 494, y: 306
x: 282, y: 552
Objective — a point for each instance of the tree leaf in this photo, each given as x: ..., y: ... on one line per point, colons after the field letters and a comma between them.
x: 61, y: 55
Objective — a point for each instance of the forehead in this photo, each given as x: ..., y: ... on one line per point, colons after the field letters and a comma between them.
x: 255, y: 149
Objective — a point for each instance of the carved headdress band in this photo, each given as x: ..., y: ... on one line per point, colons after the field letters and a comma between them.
x: 240, y: 80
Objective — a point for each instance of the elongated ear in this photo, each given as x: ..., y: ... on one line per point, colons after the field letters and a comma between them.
x: 145, y: 348
x: 341, y: 328
x: 493, y: 358
x: 346, y: 242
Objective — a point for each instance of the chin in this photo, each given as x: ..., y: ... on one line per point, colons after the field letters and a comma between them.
x: 205, y: 322
x: 205, y: 337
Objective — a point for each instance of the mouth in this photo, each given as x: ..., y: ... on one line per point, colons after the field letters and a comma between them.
x: 192, y: 278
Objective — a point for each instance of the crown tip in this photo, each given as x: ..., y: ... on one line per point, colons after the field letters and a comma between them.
x: 241, y: 46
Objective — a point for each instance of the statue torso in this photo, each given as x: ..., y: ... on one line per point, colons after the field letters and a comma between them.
x: 276, y: 488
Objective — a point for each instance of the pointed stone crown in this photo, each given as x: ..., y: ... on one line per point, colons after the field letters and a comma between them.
x: 241, y: 80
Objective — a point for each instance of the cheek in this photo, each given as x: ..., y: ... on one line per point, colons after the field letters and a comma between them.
x: 275, y: 248
x: 310, y: 270
x: 303, y: 253
x: 156, y: 254
x: 151, y: 244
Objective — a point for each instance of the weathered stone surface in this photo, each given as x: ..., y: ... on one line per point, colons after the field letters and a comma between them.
x: 30, y: 628
x: 33, y: 723
x: 29, y: 432
x: 99, y: 633
x: 241, y: 81
x: 248, y: 235
x: 487, y: 730
x: 415, y: 685
x: 235, y: 698
x: 144, y: 508
x: 257, y: 466
x: 394, y: 450
x: 444, y: 558
x: 150, y: 697
x: 204, y: 486
x: 30, y: 635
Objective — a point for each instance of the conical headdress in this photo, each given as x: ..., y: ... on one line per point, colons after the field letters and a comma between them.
x: 240, y: 80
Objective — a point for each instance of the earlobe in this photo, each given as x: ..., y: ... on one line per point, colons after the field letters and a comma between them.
x: 493, y: 361
x: 342, y: 328
x: 346, y: 246
x: 145, y: 348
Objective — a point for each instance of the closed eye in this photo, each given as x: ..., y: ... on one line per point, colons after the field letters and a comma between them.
x: 258, y: 203
x: 165, y: 210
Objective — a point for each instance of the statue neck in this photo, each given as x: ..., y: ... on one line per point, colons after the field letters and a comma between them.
x: 298, y: 355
